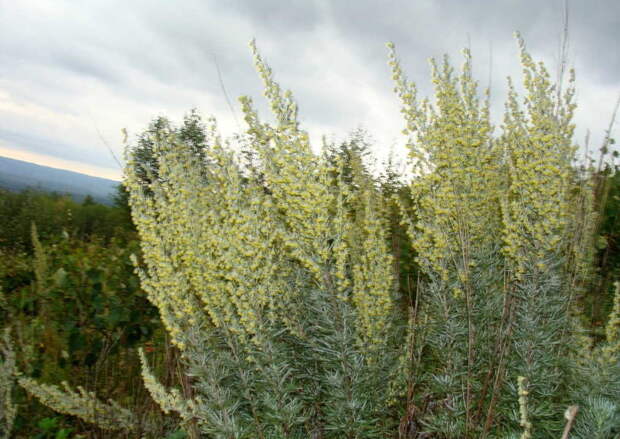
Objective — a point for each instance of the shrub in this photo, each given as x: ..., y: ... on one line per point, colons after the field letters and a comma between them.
x: 273, y: 273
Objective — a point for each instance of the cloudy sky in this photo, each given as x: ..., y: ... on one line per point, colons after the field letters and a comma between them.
x: 74, y: 73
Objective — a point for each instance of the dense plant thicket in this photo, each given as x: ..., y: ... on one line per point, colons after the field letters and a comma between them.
x: 73, y: 306
x: 308, y: 297
x: 54, y: 213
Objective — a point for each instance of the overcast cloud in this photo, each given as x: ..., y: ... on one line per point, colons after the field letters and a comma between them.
x: 73, y: 73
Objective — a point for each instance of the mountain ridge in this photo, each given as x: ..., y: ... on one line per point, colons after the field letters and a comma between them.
x: 18, y: 175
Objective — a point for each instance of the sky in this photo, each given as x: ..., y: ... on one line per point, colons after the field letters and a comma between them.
x: 73, y: 73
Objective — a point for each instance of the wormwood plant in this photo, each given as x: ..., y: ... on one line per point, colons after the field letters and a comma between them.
x: 273, y: 272
x: 503, y: 230
x: 492, y: 217
x: 279, y: 293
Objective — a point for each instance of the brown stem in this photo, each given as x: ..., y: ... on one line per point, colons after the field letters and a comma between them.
x: 499, y: 342
x: 570, y: 415
x: 502, y: 364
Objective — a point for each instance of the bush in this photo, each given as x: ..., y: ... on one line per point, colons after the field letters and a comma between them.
x: 274, y: 272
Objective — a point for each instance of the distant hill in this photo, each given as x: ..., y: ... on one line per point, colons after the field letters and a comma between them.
x: 16, y: 175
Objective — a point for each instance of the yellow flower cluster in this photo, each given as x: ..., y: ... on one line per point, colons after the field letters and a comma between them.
x: 539, y: 153
x: 299, y: 181
x: 168, y: 400
x: 224, y: 247
x: 372, y: 281
x: 83, y: 404
x: 457, y: 181
x: 210, y: 248
x: 468, y: 188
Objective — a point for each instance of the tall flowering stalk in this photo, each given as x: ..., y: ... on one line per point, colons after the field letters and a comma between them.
x: 539, y: 154
x: 492, y: 215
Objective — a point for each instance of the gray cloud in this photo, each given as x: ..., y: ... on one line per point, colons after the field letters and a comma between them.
x: 69, y: 70
x: 45, y: 145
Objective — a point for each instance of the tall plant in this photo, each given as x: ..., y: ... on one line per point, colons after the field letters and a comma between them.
x: 275, y: 272
x: 283, y: 310
x: 493, y: 236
